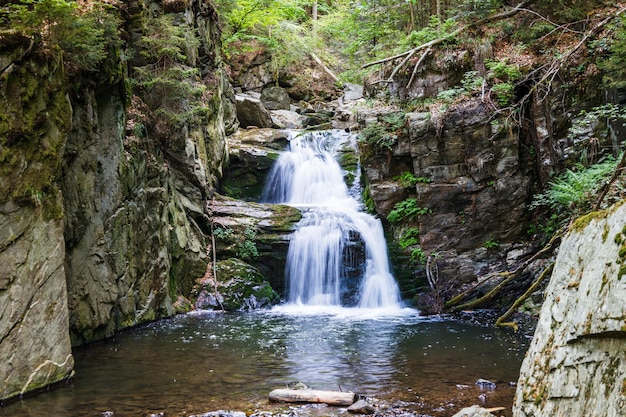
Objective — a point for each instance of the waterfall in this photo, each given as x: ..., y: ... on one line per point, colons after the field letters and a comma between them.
x: 338, y: 254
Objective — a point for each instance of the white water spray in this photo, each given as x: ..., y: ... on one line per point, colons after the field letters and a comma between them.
x: 334, y: 241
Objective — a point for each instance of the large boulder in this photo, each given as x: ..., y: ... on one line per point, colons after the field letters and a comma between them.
x: 251, y: 112
x: 576, y: 362
x: 275, y: 98
x: 468, y: 181
x: 253, y: 232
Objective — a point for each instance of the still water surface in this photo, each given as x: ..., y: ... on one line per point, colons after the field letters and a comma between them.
x: 203, y: 362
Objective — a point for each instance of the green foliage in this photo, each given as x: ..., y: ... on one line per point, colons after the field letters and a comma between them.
x: 84, y: 37
x: 614, y: 65
x: 222, y: 233
x: 418, y: 256
x: 470, y: 83
x: 368, y: 201
x: 436, y: 29
x: 406, y: 210
x: 408, y: 179
x: 491, y: 244
x: 574, y: 190
x: 409, y: 237
x: 168, y: 82
x: 504, y: 77
x: 376, y: 134
x: 500, y: 70
x: 383, y: 134
x: 247, y: 249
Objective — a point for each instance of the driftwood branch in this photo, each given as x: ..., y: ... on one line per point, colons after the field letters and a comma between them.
x: 417, y: 64
x: 313, y: 396
x: 558, y: 63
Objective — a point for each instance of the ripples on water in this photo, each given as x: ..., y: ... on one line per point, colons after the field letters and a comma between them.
x: 202, y: 362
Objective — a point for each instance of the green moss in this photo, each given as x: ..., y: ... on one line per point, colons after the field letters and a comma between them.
x: 584, y: 221
x: 619, y: 238
x: 605, y: 232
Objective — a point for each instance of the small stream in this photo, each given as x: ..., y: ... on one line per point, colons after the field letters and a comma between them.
x: 203, y: 362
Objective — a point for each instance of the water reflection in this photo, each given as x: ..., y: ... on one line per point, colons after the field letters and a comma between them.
x: 202, y: 362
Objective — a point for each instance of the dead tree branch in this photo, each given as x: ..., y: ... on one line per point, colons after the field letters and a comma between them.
x: 508, y: 276
x: 417, y: 64
x: 434, y: 42
x: 533, y: 287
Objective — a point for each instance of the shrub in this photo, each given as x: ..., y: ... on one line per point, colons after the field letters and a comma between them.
x: 383, y: 134
x: 574, y: 190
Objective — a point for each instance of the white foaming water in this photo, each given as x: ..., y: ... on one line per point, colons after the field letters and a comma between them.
x: 332, y: 231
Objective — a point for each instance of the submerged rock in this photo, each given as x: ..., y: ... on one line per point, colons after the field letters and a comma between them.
x: 362, y: 407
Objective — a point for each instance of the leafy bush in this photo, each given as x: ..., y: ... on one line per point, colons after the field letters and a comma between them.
x: 470, y: 83
x: 435, y: 29
x: 247, y: 249
x: 406, y: 210
x: 491, y: 244
x: 418, y: 256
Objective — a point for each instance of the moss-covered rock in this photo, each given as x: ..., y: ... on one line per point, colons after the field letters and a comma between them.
x: 238, y: 286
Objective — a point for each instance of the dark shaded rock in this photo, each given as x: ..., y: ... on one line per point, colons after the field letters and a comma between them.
x: 362, y: 407
x: 275, y: 98
x: 252, y: 155
x: 471, y: 183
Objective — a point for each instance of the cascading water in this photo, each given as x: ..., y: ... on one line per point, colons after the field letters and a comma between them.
x: 337, y: 254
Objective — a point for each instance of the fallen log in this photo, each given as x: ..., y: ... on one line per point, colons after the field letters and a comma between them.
x: 313, y: 396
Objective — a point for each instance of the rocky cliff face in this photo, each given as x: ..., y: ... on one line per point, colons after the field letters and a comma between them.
x: 576, y: 363
x: 34, y: 118
x: 103, y: 223
x: 474, y: 169
x: 135, y: 184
